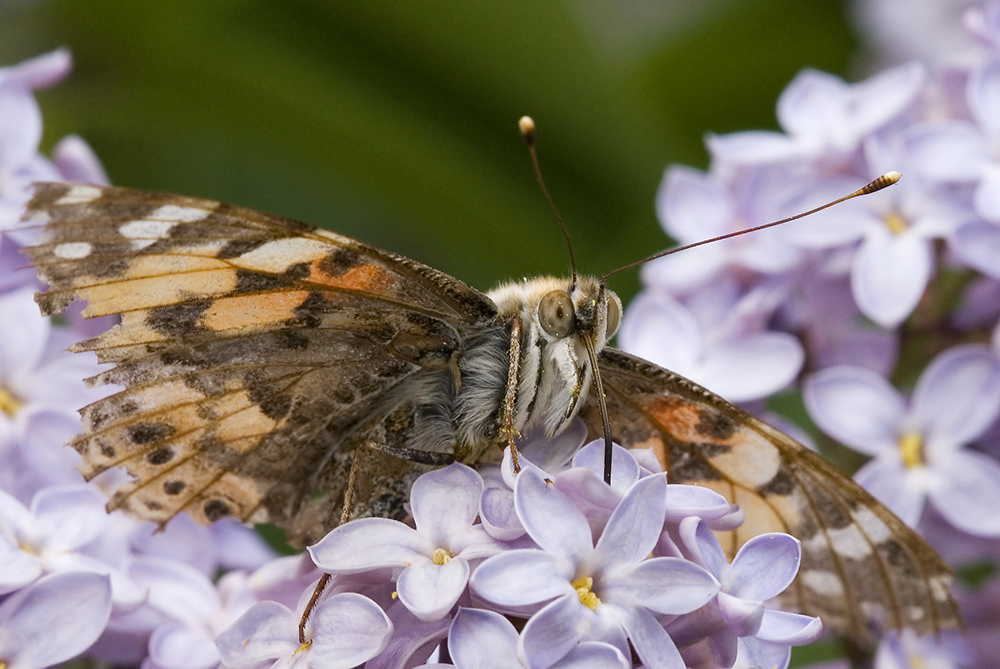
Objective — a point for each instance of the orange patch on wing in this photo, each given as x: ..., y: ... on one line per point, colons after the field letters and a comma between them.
x: 252, y: 311
x: 363, y: 278
x: 678, y: 418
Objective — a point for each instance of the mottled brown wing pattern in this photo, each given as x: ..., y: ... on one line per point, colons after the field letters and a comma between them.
x: 253, y: 349
x: 862, y: 568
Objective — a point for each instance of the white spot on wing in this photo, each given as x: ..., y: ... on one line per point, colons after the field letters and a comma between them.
x: 73, y: 250
x: 80, y: 194
x: 171, y: 212
x: 872, y: 525
x: 146, y: 229
x: 822, y: 582
x: 849, y: 542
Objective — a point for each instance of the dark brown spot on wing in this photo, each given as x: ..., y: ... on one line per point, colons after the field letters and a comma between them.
x: 176, y: 319
x: 216, y: 509
x: 161, y: 456
x: 174, y: 487
x: 147, y: 433
x: 715, y: 425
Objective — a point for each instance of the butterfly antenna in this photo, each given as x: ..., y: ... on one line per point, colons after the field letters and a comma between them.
x: 884, y: 181
x: 527, y: 126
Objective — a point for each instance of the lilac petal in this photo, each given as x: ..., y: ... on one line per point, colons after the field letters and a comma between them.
x: 480, y: 638
x: 755, y: 367
x: 554, y: 454
x: 624, y: 468
x: 764, y: 567
x: 682, y: 273
x: 754, y: 653
x: 855, y: 406
x: 968, y: 493
x: 446, y: 501
x: 834, y: 227
x: 983, y: 95
x: 978, y: 244
x: 411, y: 639
x: 17, y: 568
x: 496, y: 509
x: 56, y: 618
x: 266, y: 631
x: 752, y: 147
x: 958, y: 395
x: 22, y: 345
x: 883, y: 96
x: 703, y: 546
x: 553, y: 631
x: 661, y: 330
x: 176, y: 589
x: 813, y: 107
x: 429, y: 590
x: 77, y: 162
x: 986, y: 199
x: 742, y: 616
x: 635, y: 526
x: 652, y: 643
x: 890, y: 274
x: 349, y: 629
x: 369, y: 543
x: 791, y: 629
x: 177, y: 647
x: 20, y: 126
x: 550, y: 518
x: 593, y: 655
x: 522, y: 577
x: 691, y: 500
x: 70, y: 516
x: 949, y: 151
x: 693, y: 205
x: 41, y: 71
x: 665, y: 585
x: 889, y: 484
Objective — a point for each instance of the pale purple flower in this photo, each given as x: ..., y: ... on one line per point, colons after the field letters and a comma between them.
x: 480, y: 638
x: 717, y: 338
x: 344, y: 631
x: 824, y: 118
x: 434, y: 557
x: 53, y: 620
x: 52, y: 537
x: 762, y: 569
x: 186, y: 612
x: 896, y: 228
x: 917, y: 446
x: 694, y: 206
x: 580, y: 591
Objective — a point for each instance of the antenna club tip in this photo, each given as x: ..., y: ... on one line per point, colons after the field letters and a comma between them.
x: 884, y: 181
x: 527, y: 126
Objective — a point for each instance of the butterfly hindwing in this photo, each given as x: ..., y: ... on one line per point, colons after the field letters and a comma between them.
x: 861, y: 566
x: 252, y: 348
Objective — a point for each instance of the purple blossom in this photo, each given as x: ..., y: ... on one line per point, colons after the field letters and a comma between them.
x: 53, y: 620
x: 917, y: 446
x: 434, y: 557
x: 580, y: 591
x: 480, y: 638
x: 717, y: 339
x: 825, y: 118
x: 762, y: 569
x: 344, y: 631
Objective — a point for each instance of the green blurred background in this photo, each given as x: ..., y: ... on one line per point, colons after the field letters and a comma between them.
x: 395, y: 122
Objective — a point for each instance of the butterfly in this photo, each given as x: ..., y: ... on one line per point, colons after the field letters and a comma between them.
x: 263, y: 358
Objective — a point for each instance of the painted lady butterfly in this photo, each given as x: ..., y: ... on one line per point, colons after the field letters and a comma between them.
x: 258, y: 353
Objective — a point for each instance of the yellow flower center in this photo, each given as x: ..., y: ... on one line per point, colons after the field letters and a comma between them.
x: 9, y: 404
x: 583, y: 591
x: 896, y: 223
x: 912, y: 446
x: 441, y: 557
x: 304, y: 646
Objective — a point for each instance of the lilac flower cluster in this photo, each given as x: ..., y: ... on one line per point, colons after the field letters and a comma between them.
x: 592, y: 570
x: 850, y: 306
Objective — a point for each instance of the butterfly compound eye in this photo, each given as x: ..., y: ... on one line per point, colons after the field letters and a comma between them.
x: 555, y: 313
x: 614, y: 316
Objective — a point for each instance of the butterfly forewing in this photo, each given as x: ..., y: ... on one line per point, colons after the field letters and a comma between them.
x: 862, y: 568
x: 252, y: 348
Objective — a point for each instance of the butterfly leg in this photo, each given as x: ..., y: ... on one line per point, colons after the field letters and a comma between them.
x: 508, y: 433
